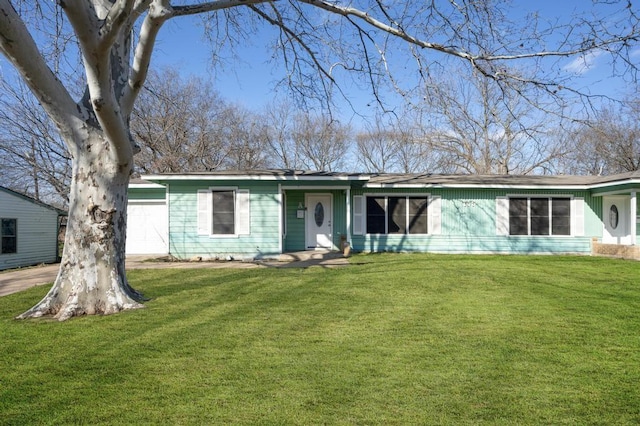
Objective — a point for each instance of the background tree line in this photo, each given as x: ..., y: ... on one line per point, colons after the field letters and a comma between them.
x: 463, y: 125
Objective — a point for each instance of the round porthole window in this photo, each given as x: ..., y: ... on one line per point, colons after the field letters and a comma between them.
x: 319, y: 214
x: 613, y: 216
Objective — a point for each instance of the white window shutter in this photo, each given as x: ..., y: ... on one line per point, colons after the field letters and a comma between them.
x: 435, y: 215
x: 502, y: 216
x: 204, y: 212
x: 358, y: 215
x: 243, y: 212
x: 577, y: 217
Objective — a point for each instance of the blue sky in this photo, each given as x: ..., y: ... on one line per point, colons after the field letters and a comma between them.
x: 181, y: 45
x: 250, y: 82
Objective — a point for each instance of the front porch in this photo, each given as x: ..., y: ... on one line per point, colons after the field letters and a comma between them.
x: 315, y: 219
x: 620, y: 220
x: 324, y: 258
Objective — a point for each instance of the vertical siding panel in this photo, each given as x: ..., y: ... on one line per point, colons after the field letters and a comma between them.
x: 593, y: 216
x: 294, y: 240
x: 339, y: 217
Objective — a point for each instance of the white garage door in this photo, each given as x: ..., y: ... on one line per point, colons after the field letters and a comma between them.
x: 147, y: 227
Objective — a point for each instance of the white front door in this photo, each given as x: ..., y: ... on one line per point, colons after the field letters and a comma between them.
x: 615, y: 217
x: 319, y: 219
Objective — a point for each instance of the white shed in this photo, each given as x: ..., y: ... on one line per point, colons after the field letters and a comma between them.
x: 28, y: 230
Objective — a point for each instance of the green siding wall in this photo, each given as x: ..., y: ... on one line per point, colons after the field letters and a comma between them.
x: 469, y: 226
x: 469, y: 244
x: 593, y: 216
x: 294, y: 238
x: 264, y: 237
x: 468, y: 222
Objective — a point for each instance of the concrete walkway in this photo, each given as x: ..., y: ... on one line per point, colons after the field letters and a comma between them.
x: 14, y: 280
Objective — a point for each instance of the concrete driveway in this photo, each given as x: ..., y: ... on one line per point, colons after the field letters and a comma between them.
x: 15, y: 280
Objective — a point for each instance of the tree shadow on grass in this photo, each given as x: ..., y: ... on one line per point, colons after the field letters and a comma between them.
x: 155, y: 283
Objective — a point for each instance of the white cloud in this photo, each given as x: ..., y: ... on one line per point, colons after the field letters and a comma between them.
x: 584, y: 63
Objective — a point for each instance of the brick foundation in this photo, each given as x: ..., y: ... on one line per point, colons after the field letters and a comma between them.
x: 614, y: 250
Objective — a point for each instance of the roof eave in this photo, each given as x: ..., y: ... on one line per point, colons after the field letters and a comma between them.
x: 291, y: 178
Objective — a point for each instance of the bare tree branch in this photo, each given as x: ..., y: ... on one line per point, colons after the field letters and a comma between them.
x: 21, y: 50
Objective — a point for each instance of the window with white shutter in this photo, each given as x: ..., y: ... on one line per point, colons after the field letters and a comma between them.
x: 358, y: 215
x: 577, y: 218
x: 502, y: 216
x: 243, y: 209
x: 204, y: 212
x: 223, y: 212
x: 435, y: 215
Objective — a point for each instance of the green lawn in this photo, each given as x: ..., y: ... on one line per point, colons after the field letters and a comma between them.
x: 391, y: 339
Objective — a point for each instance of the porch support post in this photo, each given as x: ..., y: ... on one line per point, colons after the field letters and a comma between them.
x: 634, y: 214
x: 348, y: 203
x: 281, y: 219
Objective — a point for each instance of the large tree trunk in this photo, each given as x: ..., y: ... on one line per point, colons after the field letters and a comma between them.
x: 92, y: 276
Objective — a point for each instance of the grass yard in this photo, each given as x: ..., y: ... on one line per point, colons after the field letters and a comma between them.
x: 391, y: 339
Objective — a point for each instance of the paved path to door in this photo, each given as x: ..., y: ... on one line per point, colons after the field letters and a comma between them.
x: 16, y: 280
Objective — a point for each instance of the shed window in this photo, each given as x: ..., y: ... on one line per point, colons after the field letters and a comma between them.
x: 223, y: 212
x: 9, y: 235
x: 397, y: 215
x: 539, y: 216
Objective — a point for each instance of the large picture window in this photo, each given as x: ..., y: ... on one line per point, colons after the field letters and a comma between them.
x: 539, y: 216
x: 9, y: 236
x: 396, y: 215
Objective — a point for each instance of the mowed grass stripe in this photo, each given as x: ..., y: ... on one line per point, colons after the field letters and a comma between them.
x: 391, y: 339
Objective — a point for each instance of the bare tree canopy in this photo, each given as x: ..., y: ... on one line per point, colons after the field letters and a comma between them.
x: 607, y: 144
x: 318, y: 41
x: 397, y: 146
x: 33, y: 157
x: 477, y: 128
x: 185, y: 125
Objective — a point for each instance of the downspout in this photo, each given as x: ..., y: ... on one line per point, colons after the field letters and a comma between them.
x: 634, y: 214
x: 281, y: 219
x: 167, y: 203
x: 348, y: 195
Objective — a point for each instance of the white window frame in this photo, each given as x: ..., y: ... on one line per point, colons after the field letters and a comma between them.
x: 576, y: 215
x: 242, y: 211
x: 433, y: 212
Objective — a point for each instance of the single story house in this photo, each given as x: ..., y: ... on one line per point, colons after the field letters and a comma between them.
x: 28, y: 230
x: 264, y: 213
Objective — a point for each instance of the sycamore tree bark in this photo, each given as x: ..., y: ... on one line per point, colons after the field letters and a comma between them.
x: 92, y: 278
x: 316, y: 39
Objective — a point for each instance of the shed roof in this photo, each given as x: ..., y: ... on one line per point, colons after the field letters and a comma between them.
x: 32, y: 200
